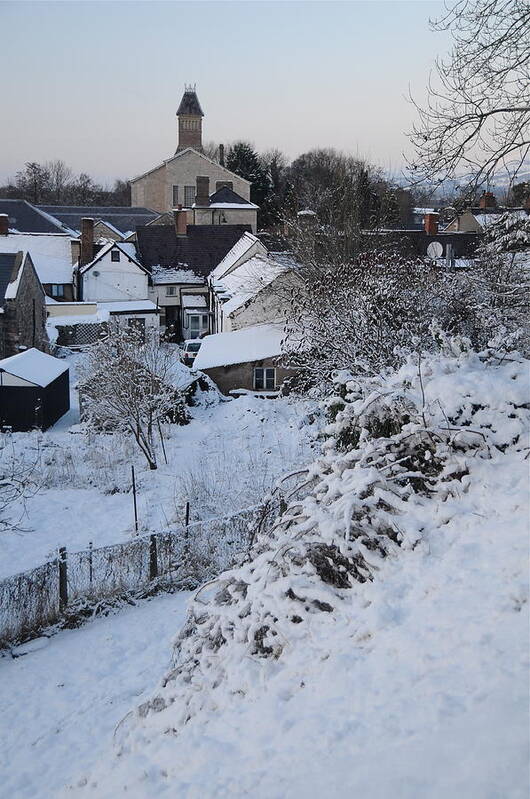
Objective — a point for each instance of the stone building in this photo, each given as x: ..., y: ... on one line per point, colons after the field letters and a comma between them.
x: 22, y: 308
x: 174, y: 181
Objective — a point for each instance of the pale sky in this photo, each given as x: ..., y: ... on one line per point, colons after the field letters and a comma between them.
x: 98, y: 83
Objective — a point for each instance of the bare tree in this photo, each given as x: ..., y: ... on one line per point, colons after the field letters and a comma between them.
x: 129, y: 384
x: 477, y: 119
x: 17, y: 483
x: 60, y: 178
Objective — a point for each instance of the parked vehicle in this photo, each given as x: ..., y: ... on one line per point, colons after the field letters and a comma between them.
x: 189, y: 350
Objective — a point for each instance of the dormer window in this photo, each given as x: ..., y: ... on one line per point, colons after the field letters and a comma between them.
x: 115, y: 255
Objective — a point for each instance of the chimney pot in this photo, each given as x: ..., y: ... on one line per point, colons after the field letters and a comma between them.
x: 202, y: 197
x: 487, y: 200
x: 87, y: 240
x: 430, y: 224
x: 4, y: 224
x: 181, y: 220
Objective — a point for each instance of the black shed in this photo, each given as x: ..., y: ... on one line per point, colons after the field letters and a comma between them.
x: 34, y: 390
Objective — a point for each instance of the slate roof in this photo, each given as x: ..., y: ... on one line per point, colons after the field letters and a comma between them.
x: 27, y: 218
x: 190, y: 104
x: 7, y: 262
x: 200, y: 250
x: 226, y: 195
x: 124, y: 218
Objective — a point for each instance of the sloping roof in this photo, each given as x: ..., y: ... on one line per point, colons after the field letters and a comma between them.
x: 27, y: 218
x: 190, y: 104
x: 180, y: 154
x: 126, y: 247
x: 200, y: 250
x: 123, y: 218
x: 7, y: 263
x: 51, y: 254
x: 34, y: 366
x: 240, y: 346
x: 239, y: 251
x: 246, y: 281
x: 226, y: 195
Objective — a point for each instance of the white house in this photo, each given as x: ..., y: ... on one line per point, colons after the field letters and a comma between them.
x: 114, y: 275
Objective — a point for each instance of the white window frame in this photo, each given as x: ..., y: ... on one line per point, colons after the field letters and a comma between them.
x: 57, y: 289
x: 171, y: 291
x: 189, y: 191
x: 175, y: 196
x: 264, y: 378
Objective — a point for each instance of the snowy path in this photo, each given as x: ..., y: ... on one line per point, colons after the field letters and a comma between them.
x: 62, y: 701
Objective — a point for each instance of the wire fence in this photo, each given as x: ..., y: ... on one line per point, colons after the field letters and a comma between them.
x: 40, y: 597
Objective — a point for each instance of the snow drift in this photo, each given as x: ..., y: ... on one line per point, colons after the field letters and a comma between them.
x: 375, y: 643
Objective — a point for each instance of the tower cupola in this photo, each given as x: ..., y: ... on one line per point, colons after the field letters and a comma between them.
x: 189, y: 116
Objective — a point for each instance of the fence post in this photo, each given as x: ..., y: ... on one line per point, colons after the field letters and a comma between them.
x: 134, y: 500
x: 153, y: 561
x: 90, y: 564
x: 63, y: 586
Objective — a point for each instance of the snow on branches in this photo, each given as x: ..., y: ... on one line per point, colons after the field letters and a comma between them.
x: 131, y: 383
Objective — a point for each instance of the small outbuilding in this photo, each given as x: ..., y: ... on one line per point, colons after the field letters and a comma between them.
x: 34, y: 390
x: 245, y: 361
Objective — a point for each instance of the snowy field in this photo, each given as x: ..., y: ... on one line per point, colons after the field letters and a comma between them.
x: 227, y: 458
x: 62, y: 697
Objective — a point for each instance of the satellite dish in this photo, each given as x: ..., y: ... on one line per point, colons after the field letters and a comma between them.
x: 435, y: 250
x: 96, y: 273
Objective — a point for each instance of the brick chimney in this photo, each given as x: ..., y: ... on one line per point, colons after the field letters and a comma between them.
x: 430, y: 224
x: 87, y: 241
x: 181, y: 220
x: 4, y: 224
x: 487, y: 200
x: 202, y: 197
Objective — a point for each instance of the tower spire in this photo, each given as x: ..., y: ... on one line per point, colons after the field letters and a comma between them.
x: 189, y: 116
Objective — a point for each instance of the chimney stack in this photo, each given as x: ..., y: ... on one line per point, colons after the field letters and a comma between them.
x: 202, y: 197
x: 181, y: 220
x: 4, y: 224
x: 487, y: 200
x: 221, y: 154
x: 430, y: 224
x: 87, y: 241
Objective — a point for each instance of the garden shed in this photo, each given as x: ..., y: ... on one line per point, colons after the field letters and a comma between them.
x: 34, y: 390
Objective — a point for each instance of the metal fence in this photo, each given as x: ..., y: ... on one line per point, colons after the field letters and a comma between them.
x: 35, y: 599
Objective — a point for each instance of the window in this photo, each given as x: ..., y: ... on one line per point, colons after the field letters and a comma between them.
x: 264, y: 379
x: 205, y: 322
x: 175, y: 196
x: 189, y: 196
x: 195, y: 325
x: 171, y: 291
x: 57, y: 290
x: 115, y: 255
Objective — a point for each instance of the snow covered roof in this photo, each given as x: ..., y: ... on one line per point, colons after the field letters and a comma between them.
x: 51, y: 254
x: 241, y: 249
x: 128, y: 248
x: 194, y: 301
x: 248, y: 279
x: 34, y: 366
x: 240, y: 346
x: 160, y: 275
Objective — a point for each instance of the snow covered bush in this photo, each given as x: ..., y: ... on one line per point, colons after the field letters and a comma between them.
x: 402, y: 451
x: 18, y: 481
x: 131, y: 383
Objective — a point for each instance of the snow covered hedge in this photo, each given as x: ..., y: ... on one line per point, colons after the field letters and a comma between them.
x: 405, y: 455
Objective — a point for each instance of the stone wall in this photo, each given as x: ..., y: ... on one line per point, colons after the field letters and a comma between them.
x: 241, y: 375
x: 155, y: 190
x: 23, y: 323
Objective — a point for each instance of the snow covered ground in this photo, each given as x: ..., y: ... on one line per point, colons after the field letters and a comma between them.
x: 62, y: 697
x: 226, y: 459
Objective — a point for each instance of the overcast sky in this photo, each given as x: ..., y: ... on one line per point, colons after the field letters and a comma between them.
x: 98, y: 83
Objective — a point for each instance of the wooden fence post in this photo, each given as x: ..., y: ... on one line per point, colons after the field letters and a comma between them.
x: 134, y: 499
x: 153, y: 561
x: 63, y: 585
x: 90, y: 564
